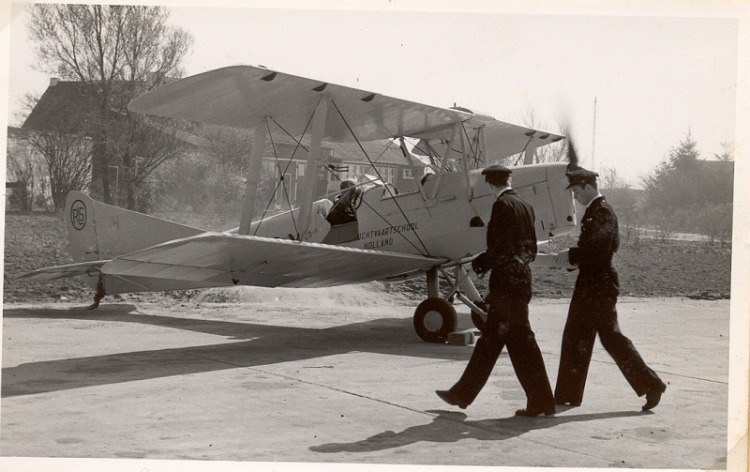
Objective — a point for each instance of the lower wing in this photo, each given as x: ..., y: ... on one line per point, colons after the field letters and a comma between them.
x: 222, y: 259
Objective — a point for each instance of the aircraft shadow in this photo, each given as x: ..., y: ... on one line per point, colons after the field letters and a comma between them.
x: 262, y: 345
x: 451, y: 426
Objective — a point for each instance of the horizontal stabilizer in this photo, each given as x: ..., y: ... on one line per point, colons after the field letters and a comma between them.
x: 62, y: 271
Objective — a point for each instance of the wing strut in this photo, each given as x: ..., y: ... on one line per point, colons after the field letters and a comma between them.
x: 311, y: 169
x: 465, y: 160
x: 253, y: 178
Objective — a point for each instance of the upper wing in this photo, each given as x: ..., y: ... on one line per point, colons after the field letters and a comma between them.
x: 244, y: 96
x: 215, y: 259
x: 504, y: 139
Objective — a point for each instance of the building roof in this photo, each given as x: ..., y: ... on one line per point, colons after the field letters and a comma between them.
x: 717, y: 166
x: 15, y: 132
x: 63, y: 104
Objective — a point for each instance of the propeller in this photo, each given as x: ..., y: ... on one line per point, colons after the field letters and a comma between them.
x: 572, y: 153
x: 572, y: 156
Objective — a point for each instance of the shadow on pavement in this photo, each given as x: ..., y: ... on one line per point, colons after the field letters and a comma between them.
x: 247, y: 345
x: 458, y: 429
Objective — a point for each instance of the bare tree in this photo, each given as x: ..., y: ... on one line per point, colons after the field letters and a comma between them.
x: 610, y: 180
x: 116, y: 52
x: 153, y: 54
x: 623, y: 198
x: 555, y: 152
x: 147, y: 144
x: 22, y: 171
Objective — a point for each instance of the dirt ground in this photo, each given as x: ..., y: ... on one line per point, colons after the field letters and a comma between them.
x: 647, y: 267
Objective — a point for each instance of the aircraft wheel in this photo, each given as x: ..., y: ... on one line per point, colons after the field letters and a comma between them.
x: 479, y: 320
x: 434, y: 319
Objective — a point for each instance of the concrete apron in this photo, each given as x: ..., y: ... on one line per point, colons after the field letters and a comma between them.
x: 288, y: 383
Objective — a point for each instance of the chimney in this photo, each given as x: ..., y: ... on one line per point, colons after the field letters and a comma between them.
x: 53, y: 81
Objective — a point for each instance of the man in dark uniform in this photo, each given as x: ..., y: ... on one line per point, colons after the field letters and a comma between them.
x: 511, y: 246
x: 592, y: 308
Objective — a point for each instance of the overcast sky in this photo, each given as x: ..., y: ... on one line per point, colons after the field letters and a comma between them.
x: 654, y: 75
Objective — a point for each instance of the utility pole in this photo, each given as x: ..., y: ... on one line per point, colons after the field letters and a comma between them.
x: 593, y: 141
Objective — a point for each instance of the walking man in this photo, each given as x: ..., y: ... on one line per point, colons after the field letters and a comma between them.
x: 592, y: 308
x: 511, y: 246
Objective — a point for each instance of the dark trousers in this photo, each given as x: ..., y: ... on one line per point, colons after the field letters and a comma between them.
x: 589, y: 314
x: 507, y: 324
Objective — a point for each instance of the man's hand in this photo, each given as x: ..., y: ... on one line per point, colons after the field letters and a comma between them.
x: 559, y: 260
x: 477, y: 265
x: 562, y: 260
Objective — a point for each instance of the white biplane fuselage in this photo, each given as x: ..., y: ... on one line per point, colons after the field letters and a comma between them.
x: 451, y: 223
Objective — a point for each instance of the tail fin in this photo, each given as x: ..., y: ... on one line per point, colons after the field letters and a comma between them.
x: 98, y: 232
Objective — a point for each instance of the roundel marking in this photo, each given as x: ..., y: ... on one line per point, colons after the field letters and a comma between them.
x: 78, y: 215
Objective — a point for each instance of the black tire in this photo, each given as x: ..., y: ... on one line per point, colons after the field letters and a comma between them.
x: 476, y: 318
x: 426, y: 312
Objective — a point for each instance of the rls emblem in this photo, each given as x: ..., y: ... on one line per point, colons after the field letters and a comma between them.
x: 78, y: 215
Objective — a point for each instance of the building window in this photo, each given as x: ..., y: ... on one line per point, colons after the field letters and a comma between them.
x: 356, y: 171
x: 269, y: 169
x: 390, y: 175
x: 284, y: 192
x: 408, y: 174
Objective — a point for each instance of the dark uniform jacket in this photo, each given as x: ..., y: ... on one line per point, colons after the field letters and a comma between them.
x: 344, y: 210
x: 598, y: 242
x: 511, y: 246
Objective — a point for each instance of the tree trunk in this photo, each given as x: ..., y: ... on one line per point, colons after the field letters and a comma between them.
x: 100, y: 172
x: 130, y: 185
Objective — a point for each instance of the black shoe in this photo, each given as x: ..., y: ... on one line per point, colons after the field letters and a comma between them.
x: 448, y: 397
x: 653, y: 396
x: 532, y: 412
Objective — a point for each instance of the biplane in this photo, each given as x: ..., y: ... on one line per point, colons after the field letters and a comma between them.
x: 432, y: 230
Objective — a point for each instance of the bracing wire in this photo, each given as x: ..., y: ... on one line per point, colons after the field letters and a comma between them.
x: 473, y: 146
x: 281, y: 181
x: 426, y: 251
x: 411, y: 243
x: 281, y: 174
